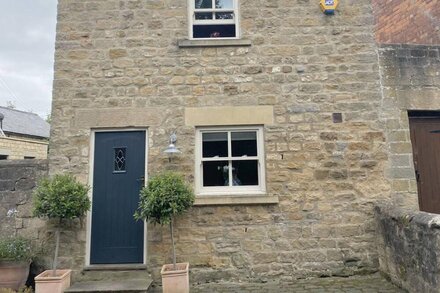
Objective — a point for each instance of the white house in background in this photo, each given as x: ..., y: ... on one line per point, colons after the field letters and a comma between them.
x: 23, y: 135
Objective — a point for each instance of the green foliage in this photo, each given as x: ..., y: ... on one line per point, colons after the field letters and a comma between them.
x: 165, y: 196
x: 61, y: 197
x: 15, y: 249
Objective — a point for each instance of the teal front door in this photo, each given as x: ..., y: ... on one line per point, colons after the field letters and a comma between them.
x: 118, y: 176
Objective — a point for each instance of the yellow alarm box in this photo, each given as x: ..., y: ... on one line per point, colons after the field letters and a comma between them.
x: 329, y: 6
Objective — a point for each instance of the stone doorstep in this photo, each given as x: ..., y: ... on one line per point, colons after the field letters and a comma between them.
x: 126, y: 286
x: 112, y: 275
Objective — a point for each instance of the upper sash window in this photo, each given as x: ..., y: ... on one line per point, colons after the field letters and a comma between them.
x: 213, y: 19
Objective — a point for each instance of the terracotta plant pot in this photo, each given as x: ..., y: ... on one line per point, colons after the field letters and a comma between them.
x: 45, y: 282
x: 175, y: 281
x: 13, y: 274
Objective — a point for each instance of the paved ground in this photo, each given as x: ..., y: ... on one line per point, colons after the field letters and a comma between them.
x: 362, y: 284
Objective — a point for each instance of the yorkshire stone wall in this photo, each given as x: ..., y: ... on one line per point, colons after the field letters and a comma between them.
x: 118, y: 64
x: 17, y: 180
x: 410, y: 80
x: 409, y: 247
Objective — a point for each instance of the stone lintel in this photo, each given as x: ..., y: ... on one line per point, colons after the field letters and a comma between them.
x: 118, y: 117
x: 5, y: 152
x: 215, y: 116
x: 234, y: 200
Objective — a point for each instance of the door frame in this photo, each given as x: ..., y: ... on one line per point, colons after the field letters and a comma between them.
x: 90, y: 194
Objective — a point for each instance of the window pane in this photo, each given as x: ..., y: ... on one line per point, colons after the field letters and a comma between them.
x: 244, y: 143
x: 224, y: 4
x: 214, y: 31
x: 245, y: 172
x: 203, y: 4
x: 215, y: 173
x: 203, y: 15
x: 215, y: 144
x: 224, y: 15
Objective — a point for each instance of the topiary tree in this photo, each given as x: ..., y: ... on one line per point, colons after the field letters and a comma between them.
x: 62, y: 198
x: 165, y: 196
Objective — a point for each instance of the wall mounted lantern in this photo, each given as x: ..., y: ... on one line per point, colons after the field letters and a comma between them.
x: 172, y: 149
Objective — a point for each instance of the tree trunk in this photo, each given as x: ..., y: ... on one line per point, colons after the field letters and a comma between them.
x: 174, y: 248
x: 55, y: 258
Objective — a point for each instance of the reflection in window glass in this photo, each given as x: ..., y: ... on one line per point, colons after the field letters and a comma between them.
x: 215, y: 144
x: 200, y: 4
x: 224, y: 15
x: 203, y: 15
x: 244, y: 144
x: 214, y: 31
x: 215, y: 173
x: 224, y: 4
x: 245, y: 172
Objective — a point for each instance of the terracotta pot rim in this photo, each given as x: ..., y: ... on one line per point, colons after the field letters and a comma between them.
x: 47, y: 277
x: 16, y: 262
x: 176, y: 272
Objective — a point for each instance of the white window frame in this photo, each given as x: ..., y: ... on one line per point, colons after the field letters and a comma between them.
x: 230, y: 190
x: 192, y: 21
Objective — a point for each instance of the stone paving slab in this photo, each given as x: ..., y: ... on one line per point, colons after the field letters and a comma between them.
x: 358, y: 284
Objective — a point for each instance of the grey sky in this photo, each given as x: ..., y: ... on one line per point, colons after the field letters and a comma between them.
x: 27, y: 45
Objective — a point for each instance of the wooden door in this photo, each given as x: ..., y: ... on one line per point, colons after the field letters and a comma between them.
x: 119, y: 168
x: 425, y: 138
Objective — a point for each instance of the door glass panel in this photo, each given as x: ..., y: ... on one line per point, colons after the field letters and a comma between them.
x: 224, y: 4
x: 200, y: 4
x: 120, y: 159
x: 244, y: 143
x: 215, y: 144
x: 245, y: 173
x: 215, y: 173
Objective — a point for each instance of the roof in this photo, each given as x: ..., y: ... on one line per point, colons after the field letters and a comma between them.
x: 24, y: 123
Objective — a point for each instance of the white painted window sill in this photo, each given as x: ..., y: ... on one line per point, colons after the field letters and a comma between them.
x: 235, y: 200
x: 213, y: 43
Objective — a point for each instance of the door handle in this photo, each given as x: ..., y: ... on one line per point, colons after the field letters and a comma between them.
x: 417, y: 175
x: 141, y: 179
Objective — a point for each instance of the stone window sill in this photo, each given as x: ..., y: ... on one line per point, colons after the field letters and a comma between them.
x: 213, y: 43
x: 235, y: 200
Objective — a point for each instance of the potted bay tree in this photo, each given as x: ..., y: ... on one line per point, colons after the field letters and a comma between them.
x: 60, y: 199
x: 166, y: 196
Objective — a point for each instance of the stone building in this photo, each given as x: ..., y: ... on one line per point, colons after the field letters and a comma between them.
x: 279, y: 113
x: 23, y: 135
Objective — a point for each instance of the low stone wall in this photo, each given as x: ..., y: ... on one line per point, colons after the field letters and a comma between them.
x: 409, y: 247
x: 17, y: 180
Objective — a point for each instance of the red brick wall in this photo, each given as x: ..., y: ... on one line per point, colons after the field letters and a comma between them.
x: 407, y: 21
